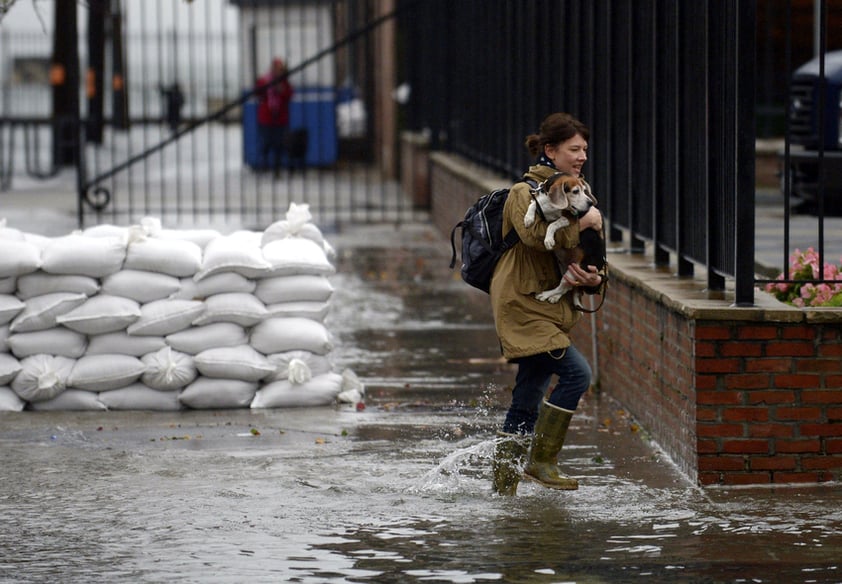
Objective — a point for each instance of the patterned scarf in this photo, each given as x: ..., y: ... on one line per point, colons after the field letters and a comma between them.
x: 544, y: 161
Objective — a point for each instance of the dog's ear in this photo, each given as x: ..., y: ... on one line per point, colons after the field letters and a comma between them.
x: 558, y: 195
x: 588, y: 193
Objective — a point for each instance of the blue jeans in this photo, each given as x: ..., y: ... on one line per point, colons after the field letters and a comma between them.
x: 533, y: 378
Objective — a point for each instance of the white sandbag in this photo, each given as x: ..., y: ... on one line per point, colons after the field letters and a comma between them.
x: 138, y: 396
x: 42, y: 377
x: 40, y: 283
x: 222, y: 283
x: 232, y: 254
x: 38, y: 240
x: 172, y: 257
x: 298, y: 366
x: 18, y: 258
x: 196, y: 339
x: 104, y: 372
x: 101, y: 314
x: 141, y: 286
x: 10, y: 307
x: 4, y: 337
x: 313, y: 310
x: 41, y: 312
x: 208, y: 393
x: 7, y: 232
x: 238, y: 307
x: 120, y: 232
x: 10, y: 401
x: 241, y: 362
x: 296, y: 256
x: 168, y: 370
x: 294, y: 288
x: 200, y: 237
x: 277, y: 335
x: 319, y: 391
x: 53, y: 341
x: 122, y: 343
x: 164, y: 317
x: 9, y: 368
x: 71, y: 400
x: 87, y: 256
x: 8, y: 285
x: 353, y: 389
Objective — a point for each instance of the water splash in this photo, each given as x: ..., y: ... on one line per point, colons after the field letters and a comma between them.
x: 462, y: 470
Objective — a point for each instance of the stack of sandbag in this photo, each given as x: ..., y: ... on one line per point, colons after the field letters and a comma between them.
x: 143, y: 317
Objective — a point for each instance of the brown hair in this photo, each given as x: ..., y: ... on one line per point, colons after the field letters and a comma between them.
x: 555, y: 129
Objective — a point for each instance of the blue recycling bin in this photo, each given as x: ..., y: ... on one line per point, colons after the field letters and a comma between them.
x: 313, y: 111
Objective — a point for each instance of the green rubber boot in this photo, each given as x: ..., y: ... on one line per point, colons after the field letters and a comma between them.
x: 508, y: 462
x: 550, y: 430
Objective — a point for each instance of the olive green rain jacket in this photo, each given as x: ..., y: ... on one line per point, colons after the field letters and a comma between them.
x: 527, y: 326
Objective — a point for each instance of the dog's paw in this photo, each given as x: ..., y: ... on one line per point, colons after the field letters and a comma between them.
x: 549, y: 241
x: 529, y: 217
x: 550, y: 296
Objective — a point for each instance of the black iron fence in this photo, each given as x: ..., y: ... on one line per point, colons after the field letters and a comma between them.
x: 674, y: 93
x: 166, y: 121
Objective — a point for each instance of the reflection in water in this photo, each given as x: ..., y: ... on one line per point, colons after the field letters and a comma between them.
x: 398, y: 506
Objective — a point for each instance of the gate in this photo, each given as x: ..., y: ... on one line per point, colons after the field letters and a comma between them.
x: 168, y: 123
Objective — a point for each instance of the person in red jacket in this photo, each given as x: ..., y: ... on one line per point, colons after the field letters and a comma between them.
x: 274, y: 92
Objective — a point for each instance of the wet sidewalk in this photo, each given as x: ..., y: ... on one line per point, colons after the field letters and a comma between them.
x: 396, y: 492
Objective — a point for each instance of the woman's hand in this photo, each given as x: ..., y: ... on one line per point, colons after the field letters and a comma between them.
x: 591, y: 219
x: 578, y: 276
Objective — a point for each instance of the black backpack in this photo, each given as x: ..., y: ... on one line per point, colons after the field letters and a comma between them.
x: 482, y: 238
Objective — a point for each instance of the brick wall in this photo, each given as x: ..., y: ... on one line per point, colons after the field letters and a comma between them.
x: 734, y: 395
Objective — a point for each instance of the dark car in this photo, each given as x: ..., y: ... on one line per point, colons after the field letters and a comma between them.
x: 815, y: 132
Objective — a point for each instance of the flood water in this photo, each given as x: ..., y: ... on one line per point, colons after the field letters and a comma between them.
x: 396, y: 492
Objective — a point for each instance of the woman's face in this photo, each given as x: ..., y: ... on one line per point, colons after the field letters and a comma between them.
x: 568, y: 156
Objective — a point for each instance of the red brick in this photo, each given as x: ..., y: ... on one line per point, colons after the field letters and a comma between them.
x: 769, y: 365
x: 821, y: 429
x: 821, y: 462
x: 719, y: 430
x: 705, y: 350
x: 821, y: 396
x: 743, y: 446
x: 797, y: 381
x: 722, y: 463
x: 709, y: 478
x: 712, y: 332
x: 746, y: 414
x: 826, y: 350
x: 719, y: 397
x: 833, y: 414
x: 755, y: 478
x: 770, y: 431
x: 707, y: 415
x: 706, y: 381
x: 718, y: 365
x: 833, y: 445
x: 798, y: 477
x: 735, y: 349
x: 765, y: 333
x: 770, y: 397
x: 798, y: 413
x: 818, y: 365
x: 798, y: 446
x: 833, y: 381
x: 748, y: 381
x: 707, y: 446
x: 790, y: 349
x: 772, y: 463
x: 798, y: 332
